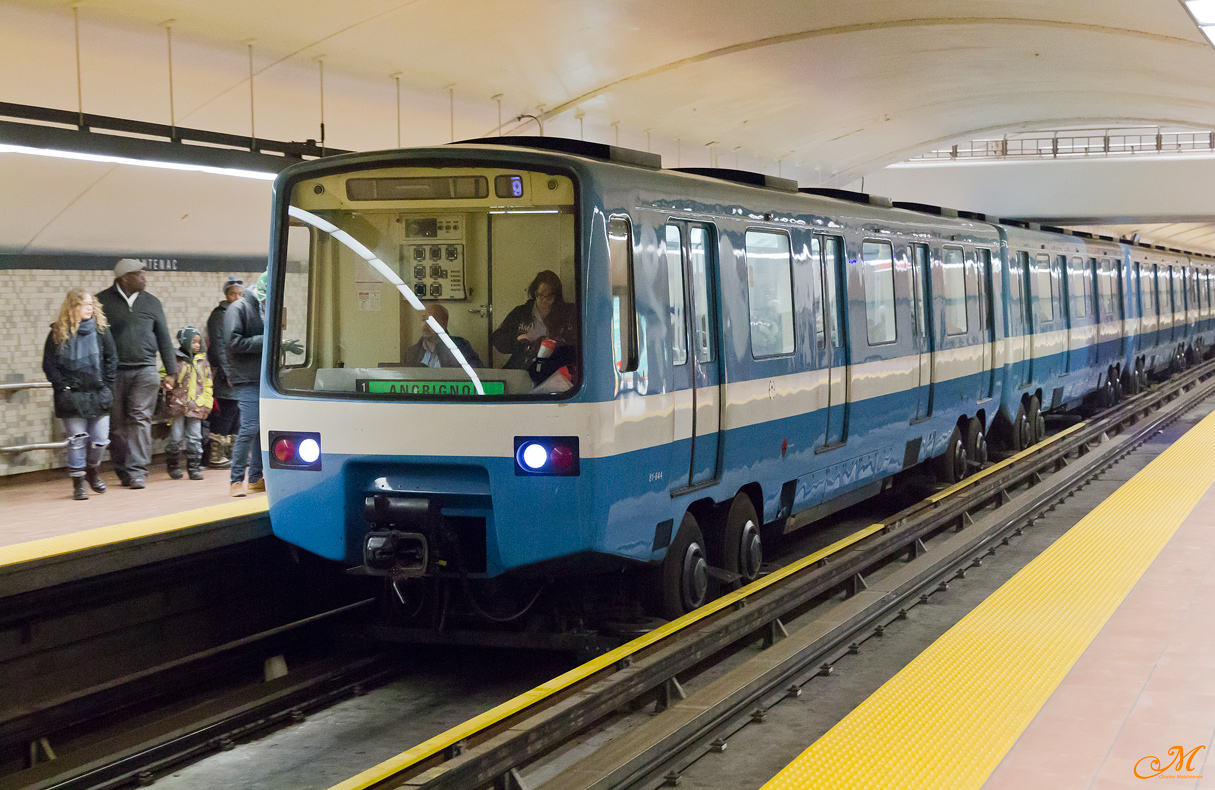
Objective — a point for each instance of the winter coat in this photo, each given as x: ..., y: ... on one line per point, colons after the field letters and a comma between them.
x: 139, y: 331
x: 79, y: 393
x: 561, y: 325
x: 415, y: 353
x: 192, y: 394
x: 215, y: 350
x: 243, y: 330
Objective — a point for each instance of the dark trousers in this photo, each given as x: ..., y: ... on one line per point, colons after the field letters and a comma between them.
x: 131, y: 420
x: 247, y: 450
x: 225, y: 418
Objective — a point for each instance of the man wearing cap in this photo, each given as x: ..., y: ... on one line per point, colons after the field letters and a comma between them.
x: 225, y: 418
x: 137, y: 321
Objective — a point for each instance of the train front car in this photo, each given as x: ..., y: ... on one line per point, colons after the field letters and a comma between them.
x: 428, y: 400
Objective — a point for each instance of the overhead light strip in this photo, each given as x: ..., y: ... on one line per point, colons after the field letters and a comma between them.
x: 122, y: 160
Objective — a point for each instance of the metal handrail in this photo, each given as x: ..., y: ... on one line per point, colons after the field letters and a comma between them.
x: 25, y: 448
x: 1077, y: 143
x: 24, y: 385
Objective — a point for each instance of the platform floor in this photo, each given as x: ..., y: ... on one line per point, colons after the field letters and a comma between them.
x: 1091, y: 668
x: 45, y: 509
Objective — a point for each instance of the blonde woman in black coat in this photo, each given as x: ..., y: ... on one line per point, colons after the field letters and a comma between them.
x: 80, y: 361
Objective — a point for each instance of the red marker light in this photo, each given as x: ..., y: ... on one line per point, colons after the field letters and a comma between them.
x: 284, y: 450
x: 561, y: 457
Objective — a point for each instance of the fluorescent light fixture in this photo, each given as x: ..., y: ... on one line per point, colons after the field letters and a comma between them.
x: 122, y: 160
x: 1203, y: 11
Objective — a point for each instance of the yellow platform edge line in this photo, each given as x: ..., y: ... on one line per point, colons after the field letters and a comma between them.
x: 59, y: 545
x: 950, y: 716
x: 416, y: 754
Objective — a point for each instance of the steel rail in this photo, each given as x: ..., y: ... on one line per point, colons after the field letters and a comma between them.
x: 490, y: 748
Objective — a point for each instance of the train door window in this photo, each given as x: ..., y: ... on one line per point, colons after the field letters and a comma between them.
x: 1175, y: 287
x: 679, y: 333
x: 986, y: 306
x: 953, y: 284
x: 1078, y: 287
x: 833, y: 254
x: 1207, y: 276
x: 624, y: 317
x: 698, y: 256
x: 919, y: 266
x: 1045, y: 287
x: 1105, y: 290
x: 878, y: 278
x: 1137, y: 285
x: 770, y: 293
x: 1016, y: 292
x: 1156, y: 288
x: 816, y: 256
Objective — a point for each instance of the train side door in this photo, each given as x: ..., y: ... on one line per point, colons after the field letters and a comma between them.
x: 835, y: 313
x: 987, y: 324
x: 925, y: 338
x: 700, y: 268
x: 682, y: 384
x: 1021, y: 273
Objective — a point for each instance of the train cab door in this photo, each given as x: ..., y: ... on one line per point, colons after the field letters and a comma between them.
x: 834, y: 300
x: 921, y: 306
x: 691, y: 267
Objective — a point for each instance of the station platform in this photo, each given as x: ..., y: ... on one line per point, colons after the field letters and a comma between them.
x: 1090, y: 668
x: 47, y: 538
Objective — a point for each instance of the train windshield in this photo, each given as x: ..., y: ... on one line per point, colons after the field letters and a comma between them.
x: 431, y: 283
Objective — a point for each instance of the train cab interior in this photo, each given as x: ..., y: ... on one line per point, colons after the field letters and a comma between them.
x: 424, y: 282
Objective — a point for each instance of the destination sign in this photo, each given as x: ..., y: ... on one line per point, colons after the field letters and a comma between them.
x: 399, y: 387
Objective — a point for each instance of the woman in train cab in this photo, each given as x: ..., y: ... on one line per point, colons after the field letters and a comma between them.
x: 80, y: 361
x: 544, y: 316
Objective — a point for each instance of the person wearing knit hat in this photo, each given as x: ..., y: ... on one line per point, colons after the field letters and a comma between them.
x: 225, y: 417
x: 137, y: 320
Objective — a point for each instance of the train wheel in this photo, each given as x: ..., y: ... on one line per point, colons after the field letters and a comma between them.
x: 741, y: 550
x: 1116, y: 380
x: 951, y: 467
x: 683, y: 580
x: 1129, y: 383
x: 1143, y: 378
x: 976, y: 443
x: 1037, y: 422
x: 1022, y: 433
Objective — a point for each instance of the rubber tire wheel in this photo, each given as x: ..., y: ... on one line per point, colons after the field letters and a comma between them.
x: 741, y: 526
x: 951, y: 466
x: 1143, y: 379
x: 683, y: 578
x: 1116, y: 380
x: 1129, y: 384
x: 1037, y: 422
x: 976, y: 443
x: 1022, y: 434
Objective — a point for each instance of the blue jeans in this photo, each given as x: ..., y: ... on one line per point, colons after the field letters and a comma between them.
x: 185, y: 431
x: 248, y: 438
x: 87, y: 438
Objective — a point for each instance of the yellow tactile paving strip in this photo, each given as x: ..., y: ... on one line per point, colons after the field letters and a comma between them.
x: 949, y: 717
x: 118, y: 533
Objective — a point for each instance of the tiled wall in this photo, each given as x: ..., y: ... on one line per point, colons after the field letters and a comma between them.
x: 29, y: 303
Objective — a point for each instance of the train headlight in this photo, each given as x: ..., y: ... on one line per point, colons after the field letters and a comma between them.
x: 546, y: 456
x: 295, y: 450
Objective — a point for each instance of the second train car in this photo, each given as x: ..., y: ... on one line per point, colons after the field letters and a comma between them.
x: 530, y: 359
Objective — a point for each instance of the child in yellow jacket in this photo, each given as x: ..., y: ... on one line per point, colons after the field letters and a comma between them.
x: 188, y: 403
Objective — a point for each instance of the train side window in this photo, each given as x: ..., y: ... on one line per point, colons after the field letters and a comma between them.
x: 1175, y: 290
x: 1015, y: 291
x: 624, y: 317
x: 878, y: 277
x: 698, y: 252
x: 953, y: 284
x: 833, y: 254
x: 816, y: 257
x: 679, y: 331
x: 770, y: 293
x: 1105, y: 290
x: 1208, y: 278
x: 1045, y: 288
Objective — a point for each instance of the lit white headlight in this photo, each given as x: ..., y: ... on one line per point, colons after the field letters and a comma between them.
x: 309, y: 451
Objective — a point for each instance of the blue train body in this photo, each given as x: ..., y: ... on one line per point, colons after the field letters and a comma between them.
x: 827, y: 345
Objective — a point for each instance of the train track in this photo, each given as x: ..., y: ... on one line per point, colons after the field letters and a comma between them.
x: 111, y: 679
x: 841, y: 596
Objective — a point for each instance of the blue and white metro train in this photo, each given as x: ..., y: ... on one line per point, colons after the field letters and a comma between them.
x: 531, y: 358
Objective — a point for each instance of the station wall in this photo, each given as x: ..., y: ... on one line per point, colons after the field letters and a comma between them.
x: 32, y: 288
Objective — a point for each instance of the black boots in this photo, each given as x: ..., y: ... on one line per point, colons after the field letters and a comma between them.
x: 193, y: 467
x: 78, y: 491
x: 173, y: 463
x: 95, y: 481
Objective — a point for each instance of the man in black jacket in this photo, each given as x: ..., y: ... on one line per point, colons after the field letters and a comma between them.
x: 137, y: 320
x: 225, y: 417
x: 242, y: 352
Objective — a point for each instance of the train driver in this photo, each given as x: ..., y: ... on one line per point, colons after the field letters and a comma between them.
x: 431, y: 352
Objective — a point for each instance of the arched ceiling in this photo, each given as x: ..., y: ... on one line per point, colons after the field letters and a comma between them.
x: 830, y: 90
